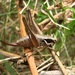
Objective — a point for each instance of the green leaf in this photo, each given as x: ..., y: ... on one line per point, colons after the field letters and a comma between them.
x: 9, y: 68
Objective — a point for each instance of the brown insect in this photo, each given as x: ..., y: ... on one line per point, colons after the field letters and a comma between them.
x: 33, y: 39
x: 26, y: 42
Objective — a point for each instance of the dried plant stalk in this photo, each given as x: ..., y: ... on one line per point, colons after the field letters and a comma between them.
x: 23, y: 33
x: 7, y: 54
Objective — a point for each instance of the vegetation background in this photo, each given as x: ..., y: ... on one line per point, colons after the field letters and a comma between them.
x: 63, y: 29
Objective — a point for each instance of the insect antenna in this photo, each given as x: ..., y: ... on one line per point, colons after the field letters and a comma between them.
x: 11, y: 44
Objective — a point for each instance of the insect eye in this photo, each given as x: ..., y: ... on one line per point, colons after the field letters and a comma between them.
x: 49, y: 40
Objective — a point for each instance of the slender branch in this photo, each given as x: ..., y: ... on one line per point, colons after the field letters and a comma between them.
x: 7, y: 54
x: 10, y: 56
x: 28, y: 52
x: 9, y: 59
x: 58, y: 61
x: 45, y: 66
x: 50, y: 59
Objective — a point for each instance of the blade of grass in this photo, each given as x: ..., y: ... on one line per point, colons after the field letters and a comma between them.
x: 9, y: 68
x: 53, y: 20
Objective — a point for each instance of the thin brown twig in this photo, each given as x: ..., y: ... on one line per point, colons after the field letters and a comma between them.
x: 50, y: 59
x: 45, y: 66
x: 58, y: 62
x: 23, y: 33
x: 7, y: 54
